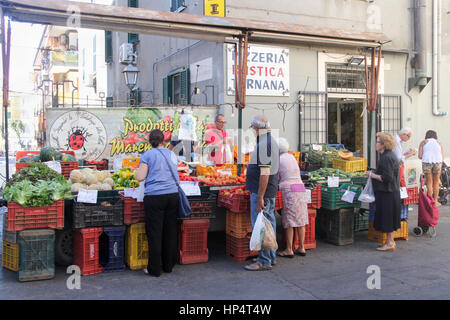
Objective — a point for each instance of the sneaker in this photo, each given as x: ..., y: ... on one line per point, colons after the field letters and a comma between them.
x: 256, y: 260
x: 257, y: 267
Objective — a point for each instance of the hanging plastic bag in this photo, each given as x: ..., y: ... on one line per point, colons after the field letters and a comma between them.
x: 269, y: 240
x: 229, y: 157
x: 367, y: 195
x: 258, y: 232
x: 348, y: 196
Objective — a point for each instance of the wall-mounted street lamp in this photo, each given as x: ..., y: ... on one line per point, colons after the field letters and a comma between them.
x: 131, y: 73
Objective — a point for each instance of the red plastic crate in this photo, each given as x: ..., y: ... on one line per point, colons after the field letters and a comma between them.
x: 413, y: 196
x: 238, y: 249
x: 193, y: 241
x: 316, y: 198
x: 310, y: 233
x: 278, y: 201
x: 86, y: 250
x: 23, y: 218
x: 66, y: 167
x: 238, y: 224
x: 133, y: 211
x: 236, y: 203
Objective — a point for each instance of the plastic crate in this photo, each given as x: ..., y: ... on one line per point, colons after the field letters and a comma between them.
x: 310, y: 233
x: 36, y: 255
x: 361, y: 181
x: 372, y: 208
x: 296, y: 155
x: 338, y: 225
x: 86, y: 250
x: 331, y: 197
x: 99, y: 165
x: 316, y: 198
x: 203, y: 206
x: 10, y: 236
x: 193, y: 241
x: 108, y: 211
x: 66, y: 166
x: 236, y: 203
x: 361, y: 220
x: 356, y: 164
x: 133, y: 211
x: 112, y: 249
x: 381, y: 237
x: 278, y: 201
x: 413, y: 196
x: 21, y: 154
x: 238, y: 249
x: 136, y: 253
x: 238, y: 225
x: 23, y: 218
x: 10, y: 256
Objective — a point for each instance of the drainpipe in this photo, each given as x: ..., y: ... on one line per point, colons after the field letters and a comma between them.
x: 420, y: 59
x: 436, y: 56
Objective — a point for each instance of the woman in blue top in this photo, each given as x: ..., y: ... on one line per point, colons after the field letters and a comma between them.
x: 161, y: 204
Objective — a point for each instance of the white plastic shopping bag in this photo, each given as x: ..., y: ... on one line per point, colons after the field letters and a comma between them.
x: 258, y: 232
x: 367, y: 195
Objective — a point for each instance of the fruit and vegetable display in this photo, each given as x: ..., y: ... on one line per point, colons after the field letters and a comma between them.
x: 216, y: 180
x: 36, y: 186
x: 47, y: 154
x: 229, y: 193
x: 324, y: 173
x: 90, y: 179
x: 125, y: 178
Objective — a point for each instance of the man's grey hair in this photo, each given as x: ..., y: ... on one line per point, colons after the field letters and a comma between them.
x: 405, y: 130
x: 260, y: 122
x: 217, y: 116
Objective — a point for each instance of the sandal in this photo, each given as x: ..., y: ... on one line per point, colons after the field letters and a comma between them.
x: 285, y: 255
x: 257, y: 267
x: 302, y: 254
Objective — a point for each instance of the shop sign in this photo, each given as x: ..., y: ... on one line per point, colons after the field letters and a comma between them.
x: 267, y: 71
x: 214, y: 8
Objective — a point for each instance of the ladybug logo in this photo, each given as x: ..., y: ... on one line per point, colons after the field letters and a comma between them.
x: 77, y: 139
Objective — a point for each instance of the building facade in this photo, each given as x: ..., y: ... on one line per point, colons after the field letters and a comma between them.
x: 312, y: 94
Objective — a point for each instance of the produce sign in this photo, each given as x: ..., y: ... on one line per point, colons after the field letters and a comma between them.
x: 324, y: 173
x: 36, y: 186
x: 125, y: 178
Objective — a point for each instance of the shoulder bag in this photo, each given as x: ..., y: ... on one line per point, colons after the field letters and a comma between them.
x: 185, y: 208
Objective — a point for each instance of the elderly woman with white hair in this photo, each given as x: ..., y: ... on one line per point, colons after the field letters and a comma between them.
x: 294, y: 214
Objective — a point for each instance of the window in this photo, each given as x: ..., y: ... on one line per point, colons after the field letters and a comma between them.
x: 177, y: 5
x: 133, y: 37
x: 346, y: 79
x: 108, y: 47
x: 176, y: 87
x: 94, y: 54
x: 313, y: 119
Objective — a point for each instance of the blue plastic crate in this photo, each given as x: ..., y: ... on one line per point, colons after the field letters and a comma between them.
x: 112, y: 249
x: 403, y: 212
x: 371, y: 211
x: 336, y: 146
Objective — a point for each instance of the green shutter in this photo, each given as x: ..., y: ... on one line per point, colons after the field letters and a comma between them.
x: 108, y: 47
x: 166, y: 90
x: 185, y: 87
x: 133, y: 37
x: 133, y: 3
x: 109, y: 102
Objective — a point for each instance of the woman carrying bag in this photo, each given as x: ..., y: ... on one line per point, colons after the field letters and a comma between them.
x: 158, y: 167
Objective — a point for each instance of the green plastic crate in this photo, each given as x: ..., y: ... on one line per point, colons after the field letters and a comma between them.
x: 331, y: 197
x: 361, y: 181
x: 361, y: 221
x: 36, y: 254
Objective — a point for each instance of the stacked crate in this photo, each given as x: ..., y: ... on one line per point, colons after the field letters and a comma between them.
x: 29, y: 240
x: 136, y: 253
x: 401, y: 233
x: 238, y: 233
x: 310, y: 233
x: 336, y: 226
x: 99, y: 234
x: 193, y: 241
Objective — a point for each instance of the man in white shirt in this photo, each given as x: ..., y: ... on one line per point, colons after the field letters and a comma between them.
x: 402, y: 136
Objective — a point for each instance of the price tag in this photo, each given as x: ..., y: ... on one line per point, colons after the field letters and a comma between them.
x: 317, y: 147
x: 403, y: 193
x: 225, y: 172
x: 131, y: 192
x: 348, y: 196
x: 54, y: 165
x: 308, y: 196
x: 333, y: 182
x: 190, y: 188
x: 87, y: 196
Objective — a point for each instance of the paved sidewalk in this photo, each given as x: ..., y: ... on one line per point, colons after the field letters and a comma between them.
x: 418, y: 269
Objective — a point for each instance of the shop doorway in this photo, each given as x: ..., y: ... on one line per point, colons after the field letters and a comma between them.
x: 345, y: 123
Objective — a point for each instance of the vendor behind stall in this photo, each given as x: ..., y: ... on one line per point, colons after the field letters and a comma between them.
x: 217, y: 139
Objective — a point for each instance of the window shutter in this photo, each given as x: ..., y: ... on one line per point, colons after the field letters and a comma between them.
x: 185, y: 87
x: 166, y: 90
x: 109, y: 102
x: 133, y: 37
x: 133, y: 3
x: 108, y: 47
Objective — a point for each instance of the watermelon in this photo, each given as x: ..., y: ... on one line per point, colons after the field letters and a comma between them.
x: 48, y: 154
x: 36, y: 158
x: 58, y: 155
x: 68, y: 158
x: 25, y: 160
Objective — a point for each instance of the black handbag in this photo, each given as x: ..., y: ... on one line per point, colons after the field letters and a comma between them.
x: 185, y: 209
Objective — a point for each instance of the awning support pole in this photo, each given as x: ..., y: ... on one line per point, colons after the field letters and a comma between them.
x: 6, y: 49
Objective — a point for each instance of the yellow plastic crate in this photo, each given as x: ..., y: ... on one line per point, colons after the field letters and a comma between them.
x: 296, y: 155
x: 10, y: 256
x: 356, y: 164
x: 136, y: 255
x: 381, y: 237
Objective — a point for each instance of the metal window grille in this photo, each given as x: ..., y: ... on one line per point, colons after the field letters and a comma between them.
x: 313, y: 119
x: 389, y: 113
x: 342, y: 78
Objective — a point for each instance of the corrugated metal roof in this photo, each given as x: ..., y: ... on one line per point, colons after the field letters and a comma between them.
x: 180, y: 25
